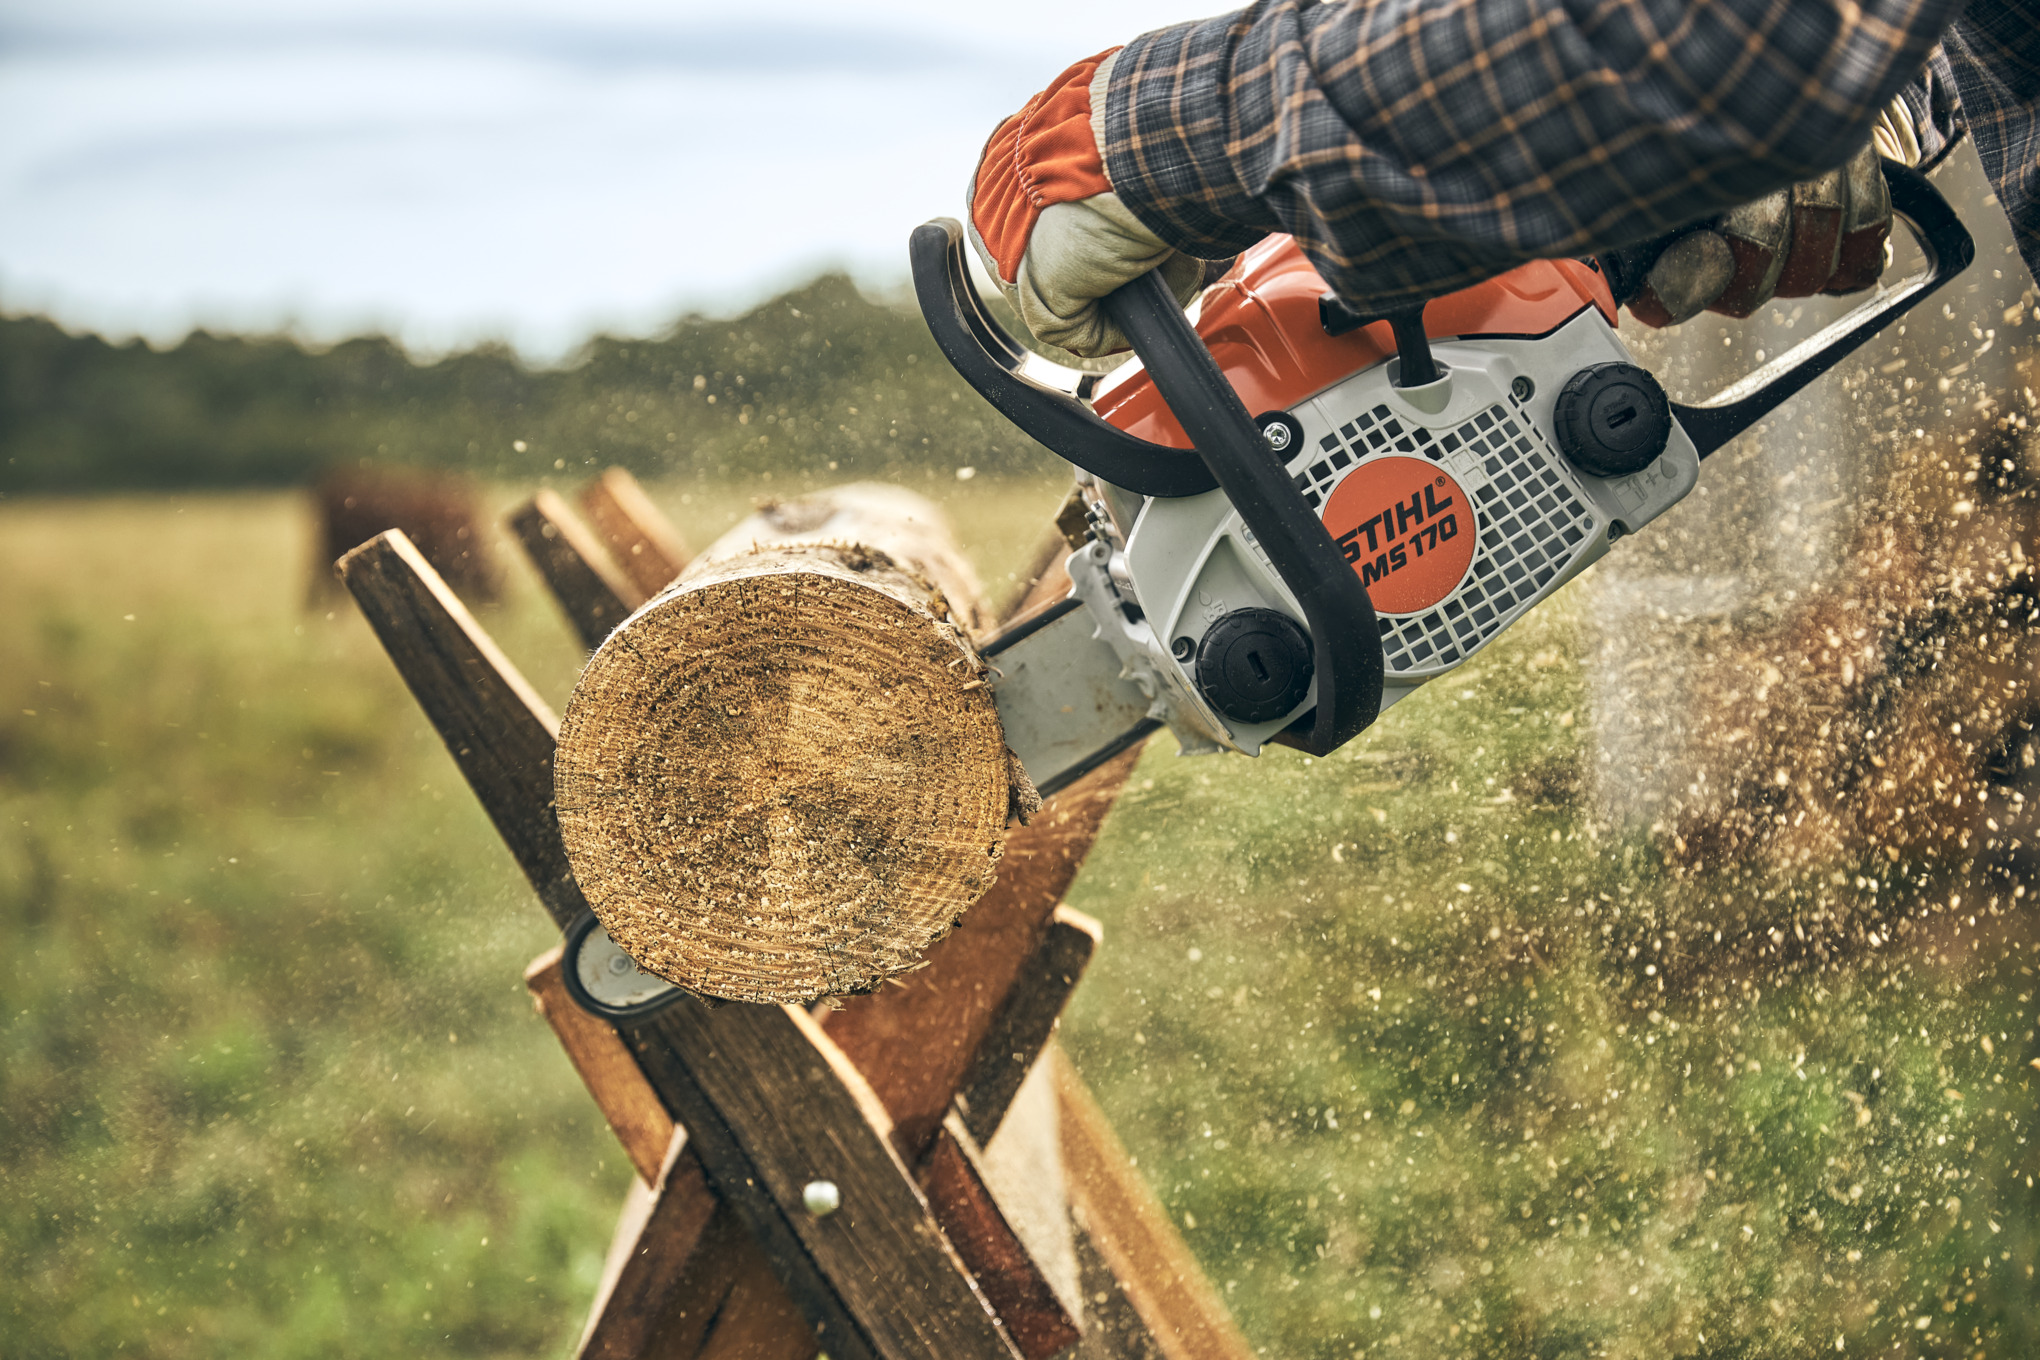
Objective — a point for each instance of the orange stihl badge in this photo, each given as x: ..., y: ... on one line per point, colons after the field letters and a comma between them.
x: 1407, y: 528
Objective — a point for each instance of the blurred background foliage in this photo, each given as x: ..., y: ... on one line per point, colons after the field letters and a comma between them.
x: 821, y: 376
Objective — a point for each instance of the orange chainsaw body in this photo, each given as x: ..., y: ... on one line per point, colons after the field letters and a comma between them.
x: 1262, y: 325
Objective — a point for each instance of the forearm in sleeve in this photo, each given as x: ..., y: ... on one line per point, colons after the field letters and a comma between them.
x: 1992, y: 57
x: 1417, y: 146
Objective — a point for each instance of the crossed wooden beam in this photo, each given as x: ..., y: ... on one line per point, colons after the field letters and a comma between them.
x: 986, y: 1207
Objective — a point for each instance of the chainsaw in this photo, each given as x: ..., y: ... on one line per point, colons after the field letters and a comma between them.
x: 1407, y: 486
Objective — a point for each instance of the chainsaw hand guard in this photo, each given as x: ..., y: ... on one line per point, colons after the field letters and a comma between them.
x: 1231, y: 454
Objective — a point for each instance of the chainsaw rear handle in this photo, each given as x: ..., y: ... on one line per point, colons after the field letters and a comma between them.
x: 1345, y: 638
x: 1948, y: 249
x: 989, y: 360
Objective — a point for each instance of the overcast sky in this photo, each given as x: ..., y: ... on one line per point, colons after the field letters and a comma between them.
x: 452, y: 170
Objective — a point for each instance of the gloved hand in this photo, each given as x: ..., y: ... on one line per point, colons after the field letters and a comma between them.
x: 1826, y: 235
x: 1048, y: 227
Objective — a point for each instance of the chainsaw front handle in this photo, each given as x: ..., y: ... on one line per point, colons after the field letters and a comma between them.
x: 1948, y: 249
x: 989, y: 360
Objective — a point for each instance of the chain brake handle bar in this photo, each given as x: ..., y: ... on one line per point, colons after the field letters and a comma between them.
x: 1948, y: 249
x: 1231, y: 454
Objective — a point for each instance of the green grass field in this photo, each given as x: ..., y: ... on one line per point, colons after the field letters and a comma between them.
x: 1424, y: 1061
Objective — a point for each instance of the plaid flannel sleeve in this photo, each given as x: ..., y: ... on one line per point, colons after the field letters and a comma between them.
x: 1417, y: 146
x: 1992, y: 54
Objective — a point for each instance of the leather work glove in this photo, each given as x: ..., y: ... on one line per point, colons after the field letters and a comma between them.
x: 1824, y: 235
x: 1048, y: 227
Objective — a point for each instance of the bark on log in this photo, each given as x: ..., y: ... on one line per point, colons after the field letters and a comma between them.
x: 783, y: 778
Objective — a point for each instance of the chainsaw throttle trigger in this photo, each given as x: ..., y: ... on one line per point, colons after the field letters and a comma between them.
x: 989, y: 360
x: 1345, y: 637
x: 1948, y: 249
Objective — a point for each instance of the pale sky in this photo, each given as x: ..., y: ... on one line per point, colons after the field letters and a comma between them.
x: 454, y: 170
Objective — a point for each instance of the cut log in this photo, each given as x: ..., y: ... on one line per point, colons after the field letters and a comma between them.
x: 783, y: 778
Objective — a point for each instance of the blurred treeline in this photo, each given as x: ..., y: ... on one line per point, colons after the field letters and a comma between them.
x: 821, y: 379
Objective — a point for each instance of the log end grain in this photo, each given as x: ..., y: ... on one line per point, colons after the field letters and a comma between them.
x: 785, y: 779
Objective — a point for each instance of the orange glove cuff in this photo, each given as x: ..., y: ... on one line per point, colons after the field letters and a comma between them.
x: 1041, y: 155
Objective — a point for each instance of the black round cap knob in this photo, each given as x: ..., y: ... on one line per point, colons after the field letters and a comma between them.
x: 1254, y: 665
x: 1612, y: 419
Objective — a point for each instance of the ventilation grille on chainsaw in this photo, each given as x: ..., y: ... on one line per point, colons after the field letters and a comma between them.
x: 1377, y: 431
x: 1531, y: 524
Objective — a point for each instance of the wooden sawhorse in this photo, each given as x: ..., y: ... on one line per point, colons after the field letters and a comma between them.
x: 986, y: 1208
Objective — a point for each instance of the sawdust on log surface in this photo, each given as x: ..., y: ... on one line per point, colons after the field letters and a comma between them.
x: 784, y: 778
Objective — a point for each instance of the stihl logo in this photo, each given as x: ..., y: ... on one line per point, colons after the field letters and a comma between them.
x: 1406, y: 528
